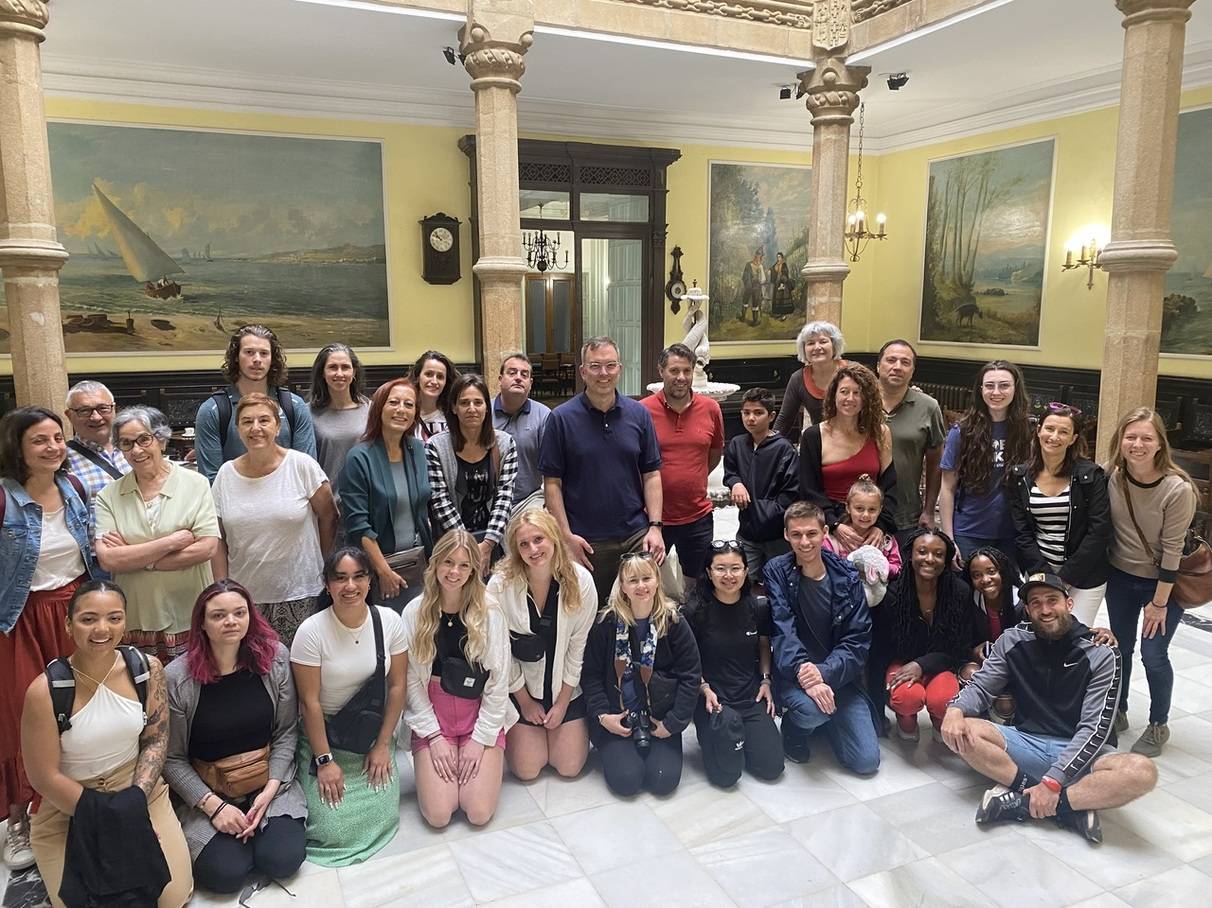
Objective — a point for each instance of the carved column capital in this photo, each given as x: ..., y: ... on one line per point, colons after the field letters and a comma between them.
x: 1137, y: 11
x: 832, y: 90
x: 29, y: 16
x: 492, y: 62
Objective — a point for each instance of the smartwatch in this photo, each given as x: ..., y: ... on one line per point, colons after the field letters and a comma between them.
x: 1051, y: 784
x: 322, y: 759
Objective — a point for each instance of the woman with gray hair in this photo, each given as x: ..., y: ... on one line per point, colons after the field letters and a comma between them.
x: 156, y: 533
x: 819, y: 347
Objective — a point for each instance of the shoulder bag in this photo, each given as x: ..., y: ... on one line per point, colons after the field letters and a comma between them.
x: 357, y: 725
x: 1193, y: 584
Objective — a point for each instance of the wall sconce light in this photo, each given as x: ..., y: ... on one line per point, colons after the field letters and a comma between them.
x: 1084, y: 252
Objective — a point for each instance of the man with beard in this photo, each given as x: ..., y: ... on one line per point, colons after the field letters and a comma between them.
x: 690, y: 432
x: 1060, y: 760
x: 514, y: 413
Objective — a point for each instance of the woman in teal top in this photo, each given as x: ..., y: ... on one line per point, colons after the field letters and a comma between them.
x: 384, y: 486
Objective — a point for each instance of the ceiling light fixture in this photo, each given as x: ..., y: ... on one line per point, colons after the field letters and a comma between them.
x: 857, y: 234
x: 922, y: 32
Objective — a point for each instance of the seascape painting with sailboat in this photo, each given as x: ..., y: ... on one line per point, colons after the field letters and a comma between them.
x: 1187, y: 309
x: 179, y: 236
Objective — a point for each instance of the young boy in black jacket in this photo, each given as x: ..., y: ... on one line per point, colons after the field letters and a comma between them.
x: 761, y: 468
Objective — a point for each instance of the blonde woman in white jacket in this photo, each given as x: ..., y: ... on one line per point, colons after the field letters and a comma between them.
x: 550, y: 603
x: 458, y: 687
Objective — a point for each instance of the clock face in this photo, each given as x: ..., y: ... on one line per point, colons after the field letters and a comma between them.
x: 441, y: 239
x: 677, y: 289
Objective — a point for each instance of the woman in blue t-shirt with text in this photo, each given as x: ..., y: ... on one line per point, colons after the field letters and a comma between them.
x: 994, y: 434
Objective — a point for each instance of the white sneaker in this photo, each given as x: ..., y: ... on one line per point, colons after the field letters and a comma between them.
x: 17, y: 852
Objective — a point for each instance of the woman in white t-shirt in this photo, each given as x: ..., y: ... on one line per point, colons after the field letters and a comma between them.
x: 353, y: 799
x: 278, y: 519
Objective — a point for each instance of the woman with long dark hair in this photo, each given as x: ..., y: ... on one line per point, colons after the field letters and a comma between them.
x: 433, y: 374
x: 925, y: 628
x: 993, y: 435
x: 732, y: 628
x: 472, y: 468
x: 1062, y: 512
x: 338, y: 406
x: 233, y: 696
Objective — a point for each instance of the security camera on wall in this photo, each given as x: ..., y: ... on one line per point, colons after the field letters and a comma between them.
x: 897, y: 81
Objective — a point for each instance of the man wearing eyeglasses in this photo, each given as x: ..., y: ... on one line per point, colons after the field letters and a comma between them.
x: 601, y: 467
x: 91, y: 454
x: 515, y: 414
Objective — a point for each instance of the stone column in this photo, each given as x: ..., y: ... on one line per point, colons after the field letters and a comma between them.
x: 497, y: 35
x: 1140, y: 251
x: 832, y: 97
x: 30, y: 254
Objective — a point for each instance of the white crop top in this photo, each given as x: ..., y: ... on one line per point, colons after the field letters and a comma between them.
x: 104, y: 735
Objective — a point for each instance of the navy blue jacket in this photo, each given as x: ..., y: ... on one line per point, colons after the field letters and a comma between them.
x: 842, y: 658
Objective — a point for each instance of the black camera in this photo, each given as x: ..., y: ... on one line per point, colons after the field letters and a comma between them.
x: 640, y: 723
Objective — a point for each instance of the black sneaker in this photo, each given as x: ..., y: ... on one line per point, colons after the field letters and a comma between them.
x: 795, y: 748
x: 1000, y: 803
x: 1084, y: 822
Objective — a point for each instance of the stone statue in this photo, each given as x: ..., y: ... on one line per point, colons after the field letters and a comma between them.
x: 695, y: 324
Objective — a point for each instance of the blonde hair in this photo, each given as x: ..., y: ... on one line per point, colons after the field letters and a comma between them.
x: 664, y: 611
x: 1163, y: 462
x: 473, y: 605
x: 513, y: 569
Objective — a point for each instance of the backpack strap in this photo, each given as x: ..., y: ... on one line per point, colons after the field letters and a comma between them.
x: 223, y: 405
x: 286, y: 401
x: 62, y: 683
x: 89, y: 454
x: 79, y: 487
x: 139, y: 670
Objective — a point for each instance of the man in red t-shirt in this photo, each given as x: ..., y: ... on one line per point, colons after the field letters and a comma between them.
x: 690, y: 431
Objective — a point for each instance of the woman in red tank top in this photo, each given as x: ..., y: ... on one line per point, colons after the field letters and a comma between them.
x: 852, y: 439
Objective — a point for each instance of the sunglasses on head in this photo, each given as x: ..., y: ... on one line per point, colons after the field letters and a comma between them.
x: 643, y: 555
x: 725, y: 545
x: 1061, y: 409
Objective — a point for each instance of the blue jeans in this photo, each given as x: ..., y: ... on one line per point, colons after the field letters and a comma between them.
x: 1036, y: 754
x: 1127, y: 595
x: 850, y: 730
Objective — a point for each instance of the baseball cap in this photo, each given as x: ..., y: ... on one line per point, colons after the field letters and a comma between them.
x: 1041, y: 578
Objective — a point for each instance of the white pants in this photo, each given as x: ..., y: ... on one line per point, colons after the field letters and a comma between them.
x: 1086, y: 602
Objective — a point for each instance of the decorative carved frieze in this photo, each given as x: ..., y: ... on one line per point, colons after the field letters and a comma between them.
x: 32, y: 13
x: 789, y: 13
x: 490, y: 61
x: 862, y: 10
x: 831, y: 91
x: 830, y: 24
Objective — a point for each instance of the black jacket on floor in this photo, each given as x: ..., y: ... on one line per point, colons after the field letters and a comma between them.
x: 770, y: 474
x: 112, y: 858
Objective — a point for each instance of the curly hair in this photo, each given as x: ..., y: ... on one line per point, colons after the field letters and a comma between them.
x: 871, y: 416
x: 473, y: 604
x: 276, y: 376
x: 976, y: 431
x: 901, y: 608
x: 1006, y: 607
x: 513, y: 569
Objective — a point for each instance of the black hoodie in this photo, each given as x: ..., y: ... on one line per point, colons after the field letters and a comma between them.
x: 770, y: 473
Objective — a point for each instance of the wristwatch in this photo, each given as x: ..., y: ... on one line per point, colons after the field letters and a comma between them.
x: 321, y: 759
x: 1051, y: 784
x: 656, y: 523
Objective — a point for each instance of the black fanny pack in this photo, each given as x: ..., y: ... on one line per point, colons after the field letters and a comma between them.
x: 356, y: 727
x: 527, y: 647
x: 461, y: 679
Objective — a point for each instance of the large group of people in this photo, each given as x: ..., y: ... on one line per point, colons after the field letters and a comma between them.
x: 181, y: 666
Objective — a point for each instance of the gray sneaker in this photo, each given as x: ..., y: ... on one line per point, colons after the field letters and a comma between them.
x: 1121, y: 721
x: 1152, y: 740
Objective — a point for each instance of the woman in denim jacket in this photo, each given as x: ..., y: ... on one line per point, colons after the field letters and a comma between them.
x: 45, y: 553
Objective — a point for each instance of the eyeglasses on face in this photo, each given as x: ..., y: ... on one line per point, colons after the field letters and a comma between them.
x: 86, y: 412
x: 609, y: 368
x: 728, y: 570
x: 143, y: 441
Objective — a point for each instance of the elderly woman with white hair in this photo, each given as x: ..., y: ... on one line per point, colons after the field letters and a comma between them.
x: 819, y: 347
x: 156, y: 533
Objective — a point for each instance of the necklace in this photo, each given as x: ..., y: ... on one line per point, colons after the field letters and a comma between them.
x: 354, y: 635
x: 97, y: 684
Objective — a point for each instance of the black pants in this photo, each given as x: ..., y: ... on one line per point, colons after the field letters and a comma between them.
x: 692, y: 541
x: 605, y: 560
x: 762, y: 754
x: 627, y: 772
x: 276, y: 851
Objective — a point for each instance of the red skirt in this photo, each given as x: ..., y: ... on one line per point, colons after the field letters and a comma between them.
x: 39, y: 636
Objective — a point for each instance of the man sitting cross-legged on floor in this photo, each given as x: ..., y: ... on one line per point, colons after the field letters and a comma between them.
x: 1058, y: 761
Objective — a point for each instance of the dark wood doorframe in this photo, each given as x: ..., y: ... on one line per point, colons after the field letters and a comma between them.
x: 549, y: 279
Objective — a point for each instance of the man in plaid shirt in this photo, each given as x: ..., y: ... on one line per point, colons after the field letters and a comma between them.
x: 91, y: 454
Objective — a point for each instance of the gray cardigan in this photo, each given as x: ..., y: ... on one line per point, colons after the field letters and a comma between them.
x: 183, y: 695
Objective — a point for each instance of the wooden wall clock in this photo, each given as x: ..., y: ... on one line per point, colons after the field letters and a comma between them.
x: 440, y: 248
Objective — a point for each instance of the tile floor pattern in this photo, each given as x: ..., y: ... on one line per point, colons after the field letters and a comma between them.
x: 817, y: 837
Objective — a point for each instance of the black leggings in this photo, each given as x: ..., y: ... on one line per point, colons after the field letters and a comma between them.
x: 762, y: 754
x: 627, y: 772
x: 276, y: 851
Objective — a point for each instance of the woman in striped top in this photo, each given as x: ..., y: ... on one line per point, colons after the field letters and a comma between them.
x: 1061, y: 511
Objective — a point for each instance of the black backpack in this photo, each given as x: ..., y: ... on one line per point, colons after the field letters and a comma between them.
x: 62, y: 681
x: 223, y: 403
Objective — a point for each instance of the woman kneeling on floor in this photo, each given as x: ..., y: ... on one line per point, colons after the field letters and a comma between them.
x: 231, y: 747
x: 550, y: 602
x: 458, y: 687
x: 732, y: 628
x: 350, y: 697
x: 105, y: 824
x: 641, y: 677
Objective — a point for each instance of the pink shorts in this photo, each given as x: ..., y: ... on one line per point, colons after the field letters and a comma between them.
x: 456, y: 718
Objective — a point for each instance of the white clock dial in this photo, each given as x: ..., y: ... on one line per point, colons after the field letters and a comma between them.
x: 441, y: 239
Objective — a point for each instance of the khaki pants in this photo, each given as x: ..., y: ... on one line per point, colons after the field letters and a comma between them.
x: 48, y: 837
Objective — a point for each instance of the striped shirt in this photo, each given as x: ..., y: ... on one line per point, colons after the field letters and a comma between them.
x: 1051, y: 516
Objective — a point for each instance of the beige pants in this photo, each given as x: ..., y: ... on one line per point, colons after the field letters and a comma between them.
x: 48, y: 837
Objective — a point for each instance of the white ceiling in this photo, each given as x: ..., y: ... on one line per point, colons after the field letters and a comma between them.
x: 1023, y: 60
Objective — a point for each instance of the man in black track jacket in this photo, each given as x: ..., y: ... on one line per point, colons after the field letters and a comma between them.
x: 1059, y: 760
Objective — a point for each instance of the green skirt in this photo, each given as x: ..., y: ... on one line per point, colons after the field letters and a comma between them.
x: 360, y: 825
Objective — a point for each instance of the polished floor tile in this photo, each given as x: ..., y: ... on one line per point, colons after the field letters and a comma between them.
x: 708, y: 814
x: 513, y: 861
x: 674, y: 879
x: 1181, y: 886
x: 430, y: 875
x: 605, y: 837
x: 1013, y: 872
x: 927, y: 882
x: 763, y: 868
x: 854, y: 842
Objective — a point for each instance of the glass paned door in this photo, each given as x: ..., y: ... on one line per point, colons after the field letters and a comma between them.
x: 612, y: 282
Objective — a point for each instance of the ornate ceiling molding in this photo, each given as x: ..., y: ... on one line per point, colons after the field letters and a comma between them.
x: 787, y: 13
x: 867, y: 9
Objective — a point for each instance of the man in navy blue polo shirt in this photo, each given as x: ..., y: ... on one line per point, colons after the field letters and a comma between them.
x: 601, y: 469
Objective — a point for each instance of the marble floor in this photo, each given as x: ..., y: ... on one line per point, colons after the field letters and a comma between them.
x: 817, y: 837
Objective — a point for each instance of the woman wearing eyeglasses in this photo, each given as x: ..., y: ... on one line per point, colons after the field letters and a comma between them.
x: 733, y: 628
x: 1062, y: 511
x: 156, y: 533
x: 993, y: 435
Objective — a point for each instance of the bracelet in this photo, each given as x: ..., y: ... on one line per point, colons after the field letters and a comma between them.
x: 1051, y: 784
x: 218, y: 809
x: 1155, y: 605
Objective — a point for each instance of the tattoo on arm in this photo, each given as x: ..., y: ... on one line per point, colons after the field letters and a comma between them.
x: 153, y: 743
